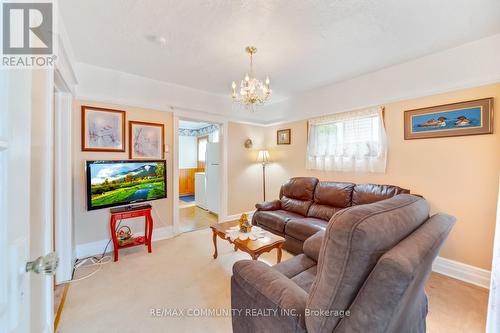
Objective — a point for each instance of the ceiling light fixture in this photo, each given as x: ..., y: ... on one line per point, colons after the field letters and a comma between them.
x: 162, y: 41
x: 253, y: 92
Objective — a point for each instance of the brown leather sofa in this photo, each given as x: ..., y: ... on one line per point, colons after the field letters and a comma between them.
x: 306, y: 205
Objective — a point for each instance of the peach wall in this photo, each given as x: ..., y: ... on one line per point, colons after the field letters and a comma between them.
x: 92, y: 226
x: 458, y: 175
x: 244, y: 175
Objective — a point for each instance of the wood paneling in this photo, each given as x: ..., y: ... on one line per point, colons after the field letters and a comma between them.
x: 186, y: 180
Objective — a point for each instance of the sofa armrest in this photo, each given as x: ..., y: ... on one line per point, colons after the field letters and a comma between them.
x: 265, y: 300
x: 312, y: 245
x: 269, y: 205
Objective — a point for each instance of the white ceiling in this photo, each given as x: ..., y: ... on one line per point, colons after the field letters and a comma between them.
x: 184, y: 124
x: 302, y: 44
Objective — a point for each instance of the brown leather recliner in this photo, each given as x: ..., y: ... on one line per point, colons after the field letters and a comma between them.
x: 306, y: 205
x: 365, y: 273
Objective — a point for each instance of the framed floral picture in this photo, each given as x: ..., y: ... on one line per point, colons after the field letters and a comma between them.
x: 284, y: 137
x: 146, y: 140
x: 103, y: 129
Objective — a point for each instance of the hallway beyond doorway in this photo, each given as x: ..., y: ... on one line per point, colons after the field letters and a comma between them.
x: 199, y: 169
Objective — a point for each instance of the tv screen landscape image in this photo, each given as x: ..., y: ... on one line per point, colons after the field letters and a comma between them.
x: 115, y: 183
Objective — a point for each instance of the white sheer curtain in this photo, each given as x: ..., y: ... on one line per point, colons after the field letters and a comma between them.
x: 349, y: 141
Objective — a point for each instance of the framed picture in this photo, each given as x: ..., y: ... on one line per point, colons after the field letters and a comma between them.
x: 146, y: 140
x: 103, y: 129
x: 464, y: 118
x: 284, y: 137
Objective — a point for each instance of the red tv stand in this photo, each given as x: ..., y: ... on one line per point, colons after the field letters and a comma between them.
x: 128, y: 213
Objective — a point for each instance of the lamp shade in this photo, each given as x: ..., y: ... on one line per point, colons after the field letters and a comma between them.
x: 263, y: 157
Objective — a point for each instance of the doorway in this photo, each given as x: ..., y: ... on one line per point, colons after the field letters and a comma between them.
x: 199, y: 174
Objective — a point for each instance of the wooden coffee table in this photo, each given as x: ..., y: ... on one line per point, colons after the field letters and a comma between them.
x: 253, y: 247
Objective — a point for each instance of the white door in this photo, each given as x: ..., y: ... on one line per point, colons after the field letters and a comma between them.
x: 26, y: 195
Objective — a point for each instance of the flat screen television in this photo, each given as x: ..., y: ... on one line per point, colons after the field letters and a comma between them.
x: 116, y: 183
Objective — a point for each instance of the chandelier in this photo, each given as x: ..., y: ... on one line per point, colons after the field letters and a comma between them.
x: 253, y: 92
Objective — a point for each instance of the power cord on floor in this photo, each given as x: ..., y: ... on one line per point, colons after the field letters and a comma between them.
x: 94, y: 262
x: 80, y: 263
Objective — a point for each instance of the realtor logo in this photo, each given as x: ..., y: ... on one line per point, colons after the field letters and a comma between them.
x: 27, y: 28
x: 27, y: 31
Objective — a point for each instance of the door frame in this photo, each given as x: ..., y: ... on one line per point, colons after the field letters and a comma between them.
x: 63, y: 183
x: 47, y: 80
x: 4, y: 145
x: 192, y: 115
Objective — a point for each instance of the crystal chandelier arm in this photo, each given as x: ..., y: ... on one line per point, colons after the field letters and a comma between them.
x: 251, y: 65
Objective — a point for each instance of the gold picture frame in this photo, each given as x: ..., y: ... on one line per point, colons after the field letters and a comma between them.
x: 146, y: 140
x: 284, y: 137
x: 457, y: 119
x: 103, y: 130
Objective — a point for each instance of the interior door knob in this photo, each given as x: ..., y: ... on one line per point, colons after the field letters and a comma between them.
x: 44, y: 264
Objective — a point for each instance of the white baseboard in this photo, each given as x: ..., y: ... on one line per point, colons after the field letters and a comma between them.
x: 97, y: 247
x: 237, y: 216
x: 162, y: 233
x: 92, y: 248
x: 467, y: 273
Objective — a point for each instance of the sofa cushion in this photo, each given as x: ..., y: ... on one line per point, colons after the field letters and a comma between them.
x: 301, y: 269
x: 306, y: 278
x: 323, y: 212
x: 354, y: 241
x: 300, y: 188
x: 274, y: 220
x: 369, y: 193
x: 329, y: 198
x: 292, y: 245
x: 295, y: 265
x: 295, y: 205
x: 334, y: 194
x: 297, y: 194
x: 304, y: 228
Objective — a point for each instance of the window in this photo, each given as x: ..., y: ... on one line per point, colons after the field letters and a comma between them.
x: 202, y: 148
x: 214, y: 136
x: 349, y: 141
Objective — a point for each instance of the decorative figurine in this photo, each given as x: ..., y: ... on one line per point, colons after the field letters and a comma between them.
x: 245, y: 226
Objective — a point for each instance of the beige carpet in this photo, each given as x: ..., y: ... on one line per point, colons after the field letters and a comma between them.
x: 181, y: 274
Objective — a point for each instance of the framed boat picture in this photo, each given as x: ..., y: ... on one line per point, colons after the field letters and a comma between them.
x: 103, y: 129
x: 457, y: 119
x: 146, y: 140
